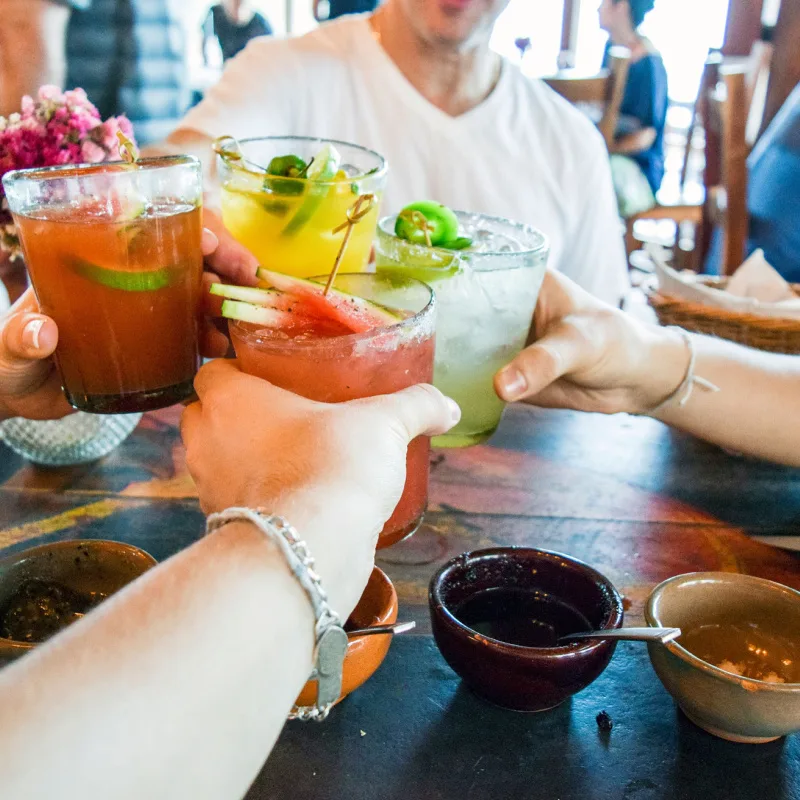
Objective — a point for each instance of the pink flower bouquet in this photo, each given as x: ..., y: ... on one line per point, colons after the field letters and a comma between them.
x: 55, y: 128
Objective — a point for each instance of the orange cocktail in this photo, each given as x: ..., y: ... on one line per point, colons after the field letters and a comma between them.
x: 114, y: 256
x: 324, y: 360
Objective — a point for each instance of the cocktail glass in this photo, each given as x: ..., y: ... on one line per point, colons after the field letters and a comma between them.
x: 485, y: 296
x: 289, y: 223
x: 340, y: 368
x: 113, y: 252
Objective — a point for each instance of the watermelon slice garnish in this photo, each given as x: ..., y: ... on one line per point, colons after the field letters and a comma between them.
x: 357, y: 314
x: 269, y: 298
x: 257, y: 315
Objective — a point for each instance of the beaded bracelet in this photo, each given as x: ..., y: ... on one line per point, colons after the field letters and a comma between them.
x: 331, y: 639
x: 690, y: 380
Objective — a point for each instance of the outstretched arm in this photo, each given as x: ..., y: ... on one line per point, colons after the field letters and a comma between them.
x: 178, y: 686
x: 591, y: 357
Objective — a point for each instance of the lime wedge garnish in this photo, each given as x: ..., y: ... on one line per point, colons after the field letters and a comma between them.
x: 128, y: 281
x: 323, y: 168
x: 428, y: 265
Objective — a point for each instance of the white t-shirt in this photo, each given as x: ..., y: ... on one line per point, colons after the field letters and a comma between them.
x: 523, y: 153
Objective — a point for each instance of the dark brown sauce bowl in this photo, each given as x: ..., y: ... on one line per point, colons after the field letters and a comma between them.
x: 508, y: 675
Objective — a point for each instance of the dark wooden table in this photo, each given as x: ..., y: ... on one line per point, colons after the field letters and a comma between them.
x: 634, y: 499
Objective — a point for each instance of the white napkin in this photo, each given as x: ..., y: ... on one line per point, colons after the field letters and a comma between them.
x: 755, y: 287
x: 758, y: 279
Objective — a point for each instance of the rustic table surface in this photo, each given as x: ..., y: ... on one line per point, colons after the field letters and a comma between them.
x: 635, y: 500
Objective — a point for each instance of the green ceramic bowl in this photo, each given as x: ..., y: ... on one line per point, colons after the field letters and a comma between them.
x: 727, y: 705
x: 90, y: 565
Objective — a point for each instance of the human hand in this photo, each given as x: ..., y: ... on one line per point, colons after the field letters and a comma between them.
x: 334, y: 471
x: 225, y: 260
x: 589, y: 356
x: 29, y: 384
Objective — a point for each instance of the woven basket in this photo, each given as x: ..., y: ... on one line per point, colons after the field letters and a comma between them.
x: 776, y: 334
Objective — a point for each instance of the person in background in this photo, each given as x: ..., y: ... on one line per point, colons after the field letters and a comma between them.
x: 773, y: 194
x: 637, y: 156
x: 234, y: 23
x: 330, y: 9
x: 418, y: 82
x: 129, y: 56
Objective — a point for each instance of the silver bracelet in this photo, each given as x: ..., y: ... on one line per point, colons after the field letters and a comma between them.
x: 330, y: 637
x: 690, y: 380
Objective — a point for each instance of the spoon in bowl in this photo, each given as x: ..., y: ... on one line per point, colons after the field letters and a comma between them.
x: 660, y: 635
x: 396, y: 627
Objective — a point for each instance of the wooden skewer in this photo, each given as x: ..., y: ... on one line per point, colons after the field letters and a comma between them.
x: 362, y: 206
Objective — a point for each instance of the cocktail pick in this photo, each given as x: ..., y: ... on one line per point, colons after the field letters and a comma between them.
x: 128, y: 151
x: 420, y: 222
x: 362, y: 206
x: 228, y: 148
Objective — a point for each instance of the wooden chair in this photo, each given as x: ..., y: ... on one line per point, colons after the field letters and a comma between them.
x: 726, y: 202
x: 730, y: 128
x: 600, y: 95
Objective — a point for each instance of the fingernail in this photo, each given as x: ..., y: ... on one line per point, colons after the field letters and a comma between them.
x: 30, y: 333
x: 455, y: 410
x: 513, y: 383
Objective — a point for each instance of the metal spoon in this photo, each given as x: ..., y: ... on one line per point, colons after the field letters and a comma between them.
x: 396, y: 627
x: 662, y: 635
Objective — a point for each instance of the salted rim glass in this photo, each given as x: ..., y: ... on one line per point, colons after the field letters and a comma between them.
x: 532, y: 241
x: 251, y: 156
x: 25, y: 188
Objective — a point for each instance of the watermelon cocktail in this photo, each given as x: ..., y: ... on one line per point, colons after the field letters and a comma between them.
x: 486, y: 273
x: 113, y: 251
x: 286, y: 199
x: 369, y: 336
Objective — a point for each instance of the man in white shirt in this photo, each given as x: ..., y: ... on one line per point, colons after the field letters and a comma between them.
x: 417, y: 82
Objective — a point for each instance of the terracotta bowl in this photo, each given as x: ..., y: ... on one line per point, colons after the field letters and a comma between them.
x: 377, y: 606
x: 515, y: 677
x: 90, y: 565
x: 727, y: 705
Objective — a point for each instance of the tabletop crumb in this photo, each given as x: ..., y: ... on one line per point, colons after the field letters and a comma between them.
x: 363, y: 733
x: 604, y: 721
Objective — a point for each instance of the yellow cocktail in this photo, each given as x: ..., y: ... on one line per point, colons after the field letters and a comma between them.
x: 286, y: 199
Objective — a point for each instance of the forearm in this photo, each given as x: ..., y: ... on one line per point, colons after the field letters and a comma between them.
x: 634, y: 142
x: 32, y: 49
x: 757, y: 405
x: 179, y: 685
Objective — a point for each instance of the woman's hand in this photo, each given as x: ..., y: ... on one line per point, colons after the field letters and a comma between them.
x: 29, y: 384
x: 589, y: 356
x: 335, y: 472
x: 226, y: 260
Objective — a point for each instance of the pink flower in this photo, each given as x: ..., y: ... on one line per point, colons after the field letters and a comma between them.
x: 93, y: 153
x: 51, y: 94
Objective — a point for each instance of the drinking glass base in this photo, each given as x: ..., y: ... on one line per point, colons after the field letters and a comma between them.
x: 458, y: 439
x: 132, y: 402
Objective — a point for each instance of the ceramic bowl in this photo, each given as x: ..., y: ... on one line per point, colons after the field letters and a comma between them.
x: 91, y: 565
x: 377, y: 606
x: 730, y: 706
x: 512, y: 676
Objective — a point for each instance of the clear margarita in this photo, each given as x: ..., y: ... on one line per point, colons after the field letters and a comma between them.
x: 486, y: 294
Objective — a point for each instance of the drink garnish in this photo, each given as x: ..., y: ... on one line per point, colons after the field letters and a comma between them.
x: 128, y: 151
x: 286, y: 302
x: 291, y: 167
x: 433, y: 224
x: 356, y: 313
x: 355, y: 214
x: 126, y: 280
x: 322, y: 168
